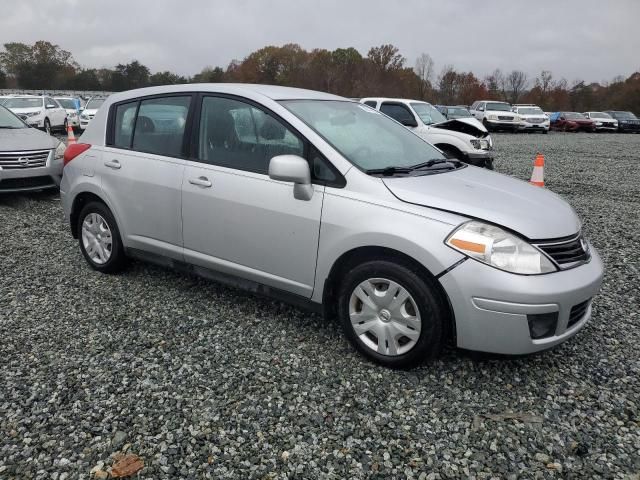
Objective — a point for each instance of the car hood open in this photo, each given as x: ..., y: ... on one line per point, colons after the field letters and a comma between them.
x: 534, y: 212
x: 470, y: 126
x: 21, y: 139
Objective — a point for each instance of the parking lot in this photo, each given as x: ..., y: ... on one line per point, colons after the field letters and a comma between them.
x: 203, y: 381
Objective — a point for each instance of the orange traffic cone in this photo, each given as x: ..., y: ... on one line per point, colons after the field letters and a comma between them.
x: 537, y: 177
x: 71, y: 138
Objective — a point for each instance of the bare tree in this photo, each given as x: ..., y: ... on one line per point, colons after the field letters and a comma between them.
x: 495, y: 83
x: 424, y: 70
x: 447, y: 85
x: 516, y: 83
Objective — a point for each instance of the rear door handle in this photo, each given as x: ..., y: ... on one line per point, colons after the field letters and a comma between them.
x: 200, y: 181
x: 115, y: 164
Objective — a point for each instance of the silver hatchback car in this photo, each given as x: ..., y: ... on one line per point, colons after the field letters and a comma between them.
x: 327, y: 203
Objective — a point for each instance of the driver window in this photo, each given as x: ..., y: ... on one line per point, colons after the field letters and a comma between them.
x: 399, y: 113
x: 238, y: 135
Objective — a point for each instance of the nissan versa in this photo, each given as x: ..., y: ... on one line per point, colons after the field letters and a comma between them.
x: 328, y: 203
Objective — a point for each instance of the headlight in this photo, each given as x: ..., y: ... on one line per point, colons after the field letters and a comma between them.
x: 492, y: 117
x: 480, y: 144
x: 598, y: 123
x: 516, y: 118
x: 73, y: 115
x: 60, y: 151
x: 494, y: 246
x: 84, y: 117
x: 33, y: 114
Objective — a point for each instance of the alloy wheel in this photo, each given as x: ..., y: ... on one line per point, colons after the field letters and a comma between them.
x: 384, y: 316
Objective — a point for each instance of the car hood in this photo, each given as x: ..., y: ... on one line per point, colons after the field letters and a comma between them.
x: 470, y: 126
x: 533, y: 212
x: 19, y: 139
x: 26, y: 110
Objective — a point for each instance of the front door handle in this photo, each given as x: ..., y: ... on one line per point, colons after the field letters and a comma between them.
x: 200, y: 181
x: 115, y: 164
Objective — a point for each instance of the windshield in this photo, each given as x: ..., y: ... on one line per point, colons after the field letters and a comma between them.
x: 530, y: 111
x: 67, y: 103
x: 497, y: 106
x: 427, y: 113
x: 574, y: 116
x: 458, y: 112
x: 94, y: 103
x: 625, y: 115
x: 21, y: 102
x: 364, y: 136
x: 9, y: 120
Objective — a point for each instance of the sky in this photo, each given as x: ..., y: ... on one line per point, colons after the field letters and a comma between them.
x: 575, y: 39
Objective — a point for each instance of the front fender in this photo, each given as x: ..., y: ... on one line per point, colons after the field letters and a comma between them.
x: 349, y: 223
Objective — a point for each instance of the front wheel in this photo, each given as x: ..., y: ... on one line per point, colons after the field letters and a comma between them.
x: 47, y: 126
x: 390, y: 314
x: 65, y: 125
x: 99, y: 238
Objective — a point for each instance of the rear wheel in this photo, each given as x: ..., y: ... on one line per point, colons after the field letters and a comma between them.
x: 390, y: 314
x: 99, y: 238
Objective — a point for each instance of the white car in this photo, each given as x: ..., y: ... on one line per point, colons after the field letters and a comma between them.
x: 532, y: 118
x: 89, y: 111
x: 39, y: 111
x: 603, y: 121
x: 495, y: 115
x: 71, y: 105
x: 462, y: 138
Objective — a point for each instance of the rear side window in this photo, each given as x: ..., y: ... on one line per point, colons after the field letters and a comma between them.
x: 397, y: 112
x: 160, y: 124
x: 238, y: 135
x: 371, y: 103
x: 124, y: 122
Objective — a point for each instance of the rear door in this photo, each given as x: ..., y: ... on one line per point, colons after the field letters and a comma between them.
x: 235, y: 218
x: 141, y: 171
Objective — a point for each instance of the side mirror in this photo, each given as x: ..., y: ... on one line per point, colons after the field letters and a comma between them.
x: 51, y: 105
x: 409, y: 122
x: 292, y: 168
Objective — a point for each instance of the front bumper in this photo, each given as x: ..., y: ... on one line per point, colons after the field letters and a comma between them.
x: 491, y: 306
x: 501, y: 125
x: 35, y: 123
x: 30, y: 179
x: 626, y: 127
x: 538, y: 127
x: 480, y: 158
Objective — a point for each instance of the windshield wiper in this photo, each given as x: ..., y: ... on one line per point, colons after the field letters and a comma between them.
x: 390, y: 170
x: 435, y: 161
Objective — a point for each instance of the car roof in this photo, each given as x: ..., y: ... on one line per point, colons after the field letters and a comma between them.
x: 391, y: 99
x: 274, y: 92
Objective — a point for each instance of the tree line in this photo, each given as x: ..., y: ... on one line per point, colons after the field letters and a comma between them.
x: 384, y: 71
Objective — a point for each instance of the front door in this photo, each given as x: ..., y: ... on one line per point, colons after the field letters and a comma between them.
x: 235, y: 218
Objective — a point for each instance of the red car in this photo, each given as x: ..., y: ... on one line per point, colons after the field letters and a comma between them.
x: 571, y: 122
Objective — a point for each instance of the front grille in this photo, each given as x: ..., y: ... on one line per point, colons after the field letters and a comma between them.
x: 25, y: 159
x: 501, y: 117
x: 566, y: 252
x: 27, y: 182
x: 535, y: 120
x: 578, y: 312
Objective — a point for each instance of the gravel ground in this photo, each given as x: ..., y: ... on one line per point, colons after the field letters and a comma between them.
x: 203, y: 381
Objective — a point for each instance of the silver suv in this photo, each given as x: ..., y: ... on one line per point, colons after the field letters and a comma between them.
x: 330, y: 204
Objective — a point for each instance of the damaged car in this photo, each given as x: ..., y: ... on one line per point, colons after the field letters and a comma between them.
x: 463, y: 139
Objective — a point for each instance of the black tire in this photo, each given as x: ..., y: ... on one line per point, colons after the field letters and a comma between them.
x: 47, y: 126
x: 545, y: 132
x: 433, y: 315
x: 65, y: 125
x: 486, y: 125
x: 117, y: 259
